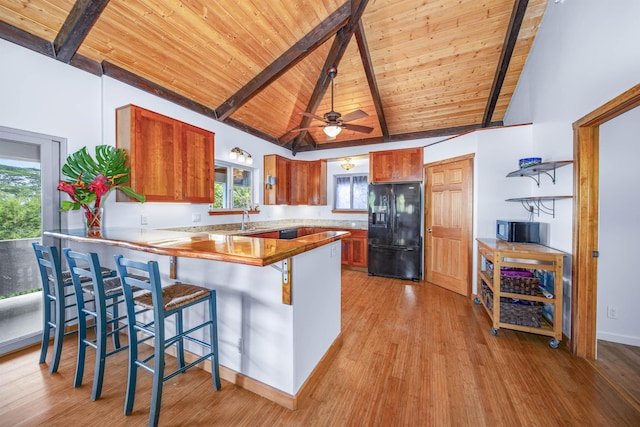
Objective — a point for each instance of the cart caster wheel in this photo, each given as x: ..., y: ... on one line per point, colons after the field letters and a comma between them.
x: 494, y: 331
x: 554, y: 343
x: 476, y: 300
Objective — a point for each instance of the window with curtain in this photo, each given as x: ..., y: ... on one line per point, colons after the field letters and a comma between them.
x: 233, y: 186
x: 351, y: 192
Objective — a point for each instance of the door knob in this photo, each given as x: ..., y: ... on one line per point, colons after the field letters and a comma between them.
x: 428, y: 230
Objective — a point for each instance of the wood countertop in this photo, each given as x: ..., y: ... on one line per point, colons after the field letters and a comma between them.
x: 218, y: 247
x: 521, y: 248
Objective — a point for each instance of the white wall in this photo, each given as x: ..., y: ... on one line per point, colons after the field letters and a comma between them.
x: 585, y: 53
x: 619, y: 231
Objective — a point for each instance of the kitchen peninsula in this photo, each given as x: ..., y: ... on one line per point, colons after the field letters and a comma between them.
x: 278, y: 300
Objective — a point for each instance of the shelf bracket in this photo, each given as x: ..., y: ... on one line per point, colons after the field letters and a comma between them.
x: 286, y: 280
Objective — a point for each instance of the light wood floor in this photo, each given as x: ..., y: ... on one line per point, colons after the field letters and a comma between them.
x: 413, y: 355
x: 621, y: 364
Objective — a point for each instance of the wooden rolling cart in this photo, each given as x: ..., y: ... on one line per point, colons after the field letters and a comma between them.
x: 512, y: 309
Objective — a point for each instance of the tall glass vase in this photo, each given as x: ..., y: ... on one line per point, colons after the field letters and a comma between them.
x: 94, y: 221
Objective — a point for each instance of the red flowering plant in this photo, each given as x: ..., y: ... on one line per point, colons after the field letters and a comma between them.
x: 91, y: 180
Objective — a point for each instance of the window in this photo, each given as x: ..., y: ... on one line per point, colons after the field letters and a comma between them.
x: 351, y: 192
x: 29, y: 202
x: 233, y: 186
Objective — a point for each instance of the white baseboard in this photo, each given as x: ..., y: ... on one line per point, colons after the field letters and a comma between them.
x: 618, y: 338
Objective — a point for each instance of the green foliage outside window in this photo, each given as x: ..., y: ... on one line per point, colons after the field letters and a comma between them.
x: 20, y: 205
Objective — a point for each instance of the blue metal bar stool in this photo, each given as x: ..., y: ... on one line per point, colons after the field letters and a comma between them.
x: 56, y: 288
x: 163, y: 302
x: 106, y: 293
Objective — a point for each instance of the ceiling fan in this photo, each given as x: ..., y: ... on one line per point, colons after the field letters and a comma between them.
x: 334, y: 122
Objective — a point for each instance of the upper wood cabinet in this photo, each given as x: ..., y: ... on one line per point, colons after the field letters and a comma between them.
x: 276, y: 168
x: 297, y: 182
x: 396, y: 165
x: 318, y: 183
x: 170, y: 161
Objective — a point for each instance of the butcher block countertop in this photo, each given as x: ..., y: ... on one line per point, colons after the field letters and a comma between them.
x: 218, y: 247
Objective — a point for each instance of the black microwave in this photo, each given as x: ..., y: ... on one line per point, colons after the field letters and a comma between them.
x: 518, y: 231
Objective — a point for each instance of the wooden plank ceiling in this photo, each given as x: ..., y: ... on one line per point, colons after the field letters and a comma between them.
x: 417, y: 68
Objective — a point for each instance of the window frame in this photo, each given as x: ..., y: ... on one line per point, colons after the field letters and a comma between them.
x: 351, y: 177
x: 229, y: 191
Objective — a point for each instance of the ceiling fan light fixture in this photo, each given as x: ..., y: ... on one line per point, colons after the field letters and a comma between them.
x: 332, y: 130
x: 347, y: 165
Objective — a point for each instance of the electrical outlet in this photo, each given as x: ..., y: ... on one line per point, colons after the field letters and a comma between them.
x: 240, y: 346
x: 196, y: 217
x: 612, y: 312
x: 144, y: 220
x: 334, y: 251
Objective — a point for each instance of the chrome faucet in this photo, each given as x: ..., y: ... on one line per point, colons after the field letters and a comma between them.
x: 244, y: 212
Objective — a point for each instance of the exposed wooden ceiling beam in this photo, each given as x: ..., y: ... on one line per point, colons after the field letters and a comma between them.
x: 76, y: 27
x: 27, y: 40
x: 435, y: 133
x: 286, y: 61
x: 340, y: 43
x: 371, y: 77
x: 141, y: 83
x: 517, y: 16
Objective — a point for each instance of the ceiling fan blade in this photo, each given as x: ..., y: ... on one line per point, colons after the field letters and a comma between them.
x: 313, y: 116
x: 358, y: 128
x: 310, y: 127
x: 354, y: 115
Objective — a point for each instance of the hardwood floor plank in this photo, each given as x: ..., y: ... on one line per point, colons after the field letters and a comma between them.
x: 412, y: 355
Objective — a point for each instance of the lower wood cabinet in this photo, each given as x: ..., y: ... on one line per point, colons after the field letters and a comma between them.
x: 354, y: 249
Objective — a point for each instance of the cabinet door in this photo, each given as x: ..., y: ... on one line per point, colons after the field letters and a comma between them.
x: 157, y: 157
x: 396, y: 165
x: 299, y: 182
x: 346, y: 251
x: 381, y: 166
x: 276, y: 168
x: 408, y: 164
x: 358, y: 249
x: 318, y: 183
x: 283, y: 173
x: 197, y: 170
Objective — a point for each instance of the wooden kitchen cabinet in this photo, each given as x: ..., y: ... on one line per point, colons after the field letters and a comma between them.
x: 170, y: 161
x: 396, y: 165
x: 318, y: 183
x: 354, y: 249
x: 276, y: 168
x: 297, y: 182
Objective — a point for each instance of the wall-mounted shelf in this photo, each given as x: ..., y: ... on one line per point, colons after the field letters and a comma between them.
x: 547, y: 168
x: 540, y: 204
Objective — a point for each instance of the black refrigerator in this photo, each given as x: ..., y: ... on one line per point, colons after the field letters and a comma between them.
x: 395, y: 242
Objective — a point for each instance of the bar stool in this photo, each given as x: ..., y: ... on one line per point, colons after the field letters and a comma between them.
x: 56, y: 288
x: 106, y: 293
x: 163, y: 302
